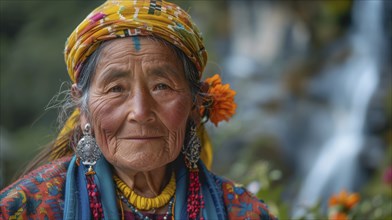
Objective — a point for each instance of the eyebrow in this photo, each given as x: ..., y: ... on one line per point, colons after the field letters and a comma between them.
x: 111, y: 75
x: 165, y: 70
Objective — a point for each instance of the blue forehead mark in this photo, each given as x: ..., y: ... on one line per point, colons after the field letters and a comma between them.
x: 136, y: 42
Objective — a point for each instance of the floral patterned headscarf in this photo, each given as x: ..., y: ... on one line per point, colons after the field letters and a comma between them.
x: 125, y: 18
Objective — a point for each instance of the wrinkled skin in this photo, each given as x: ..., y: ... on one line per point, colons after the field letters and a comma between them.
x: 139, y: 104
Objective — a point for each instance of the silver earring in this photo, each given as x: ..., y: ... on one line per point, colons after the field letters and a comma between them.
x: 191, y: 152
x: 87, y: 149
x: 88, y: 153
x: 192, y: 149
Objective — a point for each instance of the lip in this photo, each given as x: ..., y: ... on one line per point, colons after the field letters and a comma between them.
x: 142, y: 138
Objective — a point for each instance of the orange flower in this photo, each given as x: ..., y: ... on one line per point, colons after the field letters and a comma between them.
x: 344, y: 199
x: 352, y: 200
x: 223, y: 106
x: 338, y: 216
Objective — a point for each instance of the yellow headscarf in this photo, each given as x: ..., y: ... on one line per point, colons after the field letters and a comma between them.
x: 123, y: 18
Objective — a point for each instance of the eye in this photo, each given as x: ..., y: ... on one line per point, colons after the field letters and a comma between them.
x: 116, y: 89
x: 161, y: 86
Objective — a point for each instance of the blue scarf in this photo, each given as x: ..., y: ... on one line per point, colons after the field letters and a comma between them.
x: 77, y: 206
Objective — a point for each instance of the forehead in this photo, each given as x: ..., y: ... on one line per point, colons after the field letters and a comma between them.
x: 145, y: 47
x: 133, y: 55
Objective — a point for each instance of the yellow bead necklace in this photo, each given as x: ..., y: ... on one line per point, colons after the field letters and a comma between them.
x: 143, y: 203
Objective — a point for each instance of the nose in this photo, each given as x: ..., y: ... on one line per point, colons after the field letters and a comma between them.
x: 141, y: 107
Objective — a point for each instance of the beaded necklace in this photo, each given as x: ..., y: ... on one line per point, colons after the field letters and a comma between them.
x: 139, y: 214
x: 143, y: 203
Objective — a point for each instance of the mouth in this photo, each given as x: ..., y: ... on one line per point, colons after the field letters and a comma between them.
x: 143, y: 138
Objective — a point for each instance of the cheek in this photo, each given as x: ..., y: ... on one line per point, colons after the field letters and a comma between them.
x: 175, y: 116
x: 107, y: 117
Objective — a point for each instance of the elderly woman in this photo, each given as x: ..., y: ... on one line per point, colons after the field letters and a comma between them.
x: 131, y: 148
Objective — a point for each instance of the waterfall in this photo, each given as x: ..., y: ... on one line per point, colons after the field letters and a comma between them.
x: 351, y: 87
x: 322, y: 137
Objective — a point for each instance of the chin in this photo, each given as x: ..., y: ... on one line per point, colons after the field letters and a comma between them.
x: 142, y: 163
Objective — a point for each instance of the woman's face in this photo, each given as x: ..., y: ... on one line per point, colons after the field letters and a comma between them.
x: 139, y: 103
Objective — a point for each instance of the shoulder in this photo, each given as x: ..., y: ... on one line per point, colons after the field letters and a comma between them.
x: 38, y: 194
x: 242, y: 204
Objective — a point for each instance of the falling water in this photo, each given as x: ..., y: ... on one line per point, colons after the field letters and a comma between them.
x: 351, y: 86
x: 327, y: 147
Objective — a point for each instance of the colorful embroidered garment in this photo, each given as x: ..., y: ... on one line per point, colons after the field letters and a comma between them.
x: 40, y: 195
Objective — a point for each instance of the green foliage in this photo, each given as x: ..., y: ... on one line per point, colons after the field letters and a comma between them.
x: 375, y: 204
x: 28, y: 142
x: 32, y: 40
x: 266, y: 178
x: 376, y: 207
x: 32, y: 68
x: 375, y: 198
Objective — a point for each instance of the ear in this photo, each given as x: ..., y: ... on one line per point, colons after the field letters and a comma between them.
x: 195, y: 116
x: 83, y: 120
x: 204, y: 87
x: 75, y: 92
x: 76, y: 95
x: 197, y: 103
x: 195, y: 111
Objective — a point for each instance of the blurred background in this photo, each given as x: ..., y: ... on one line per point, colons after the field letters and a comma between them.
x: 314, y: 94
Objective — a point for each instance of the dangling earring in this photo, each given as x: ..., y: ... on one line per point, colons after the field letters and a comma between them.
x: 191, y: 153
x: 87, y: 149
x: 88, y: 153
